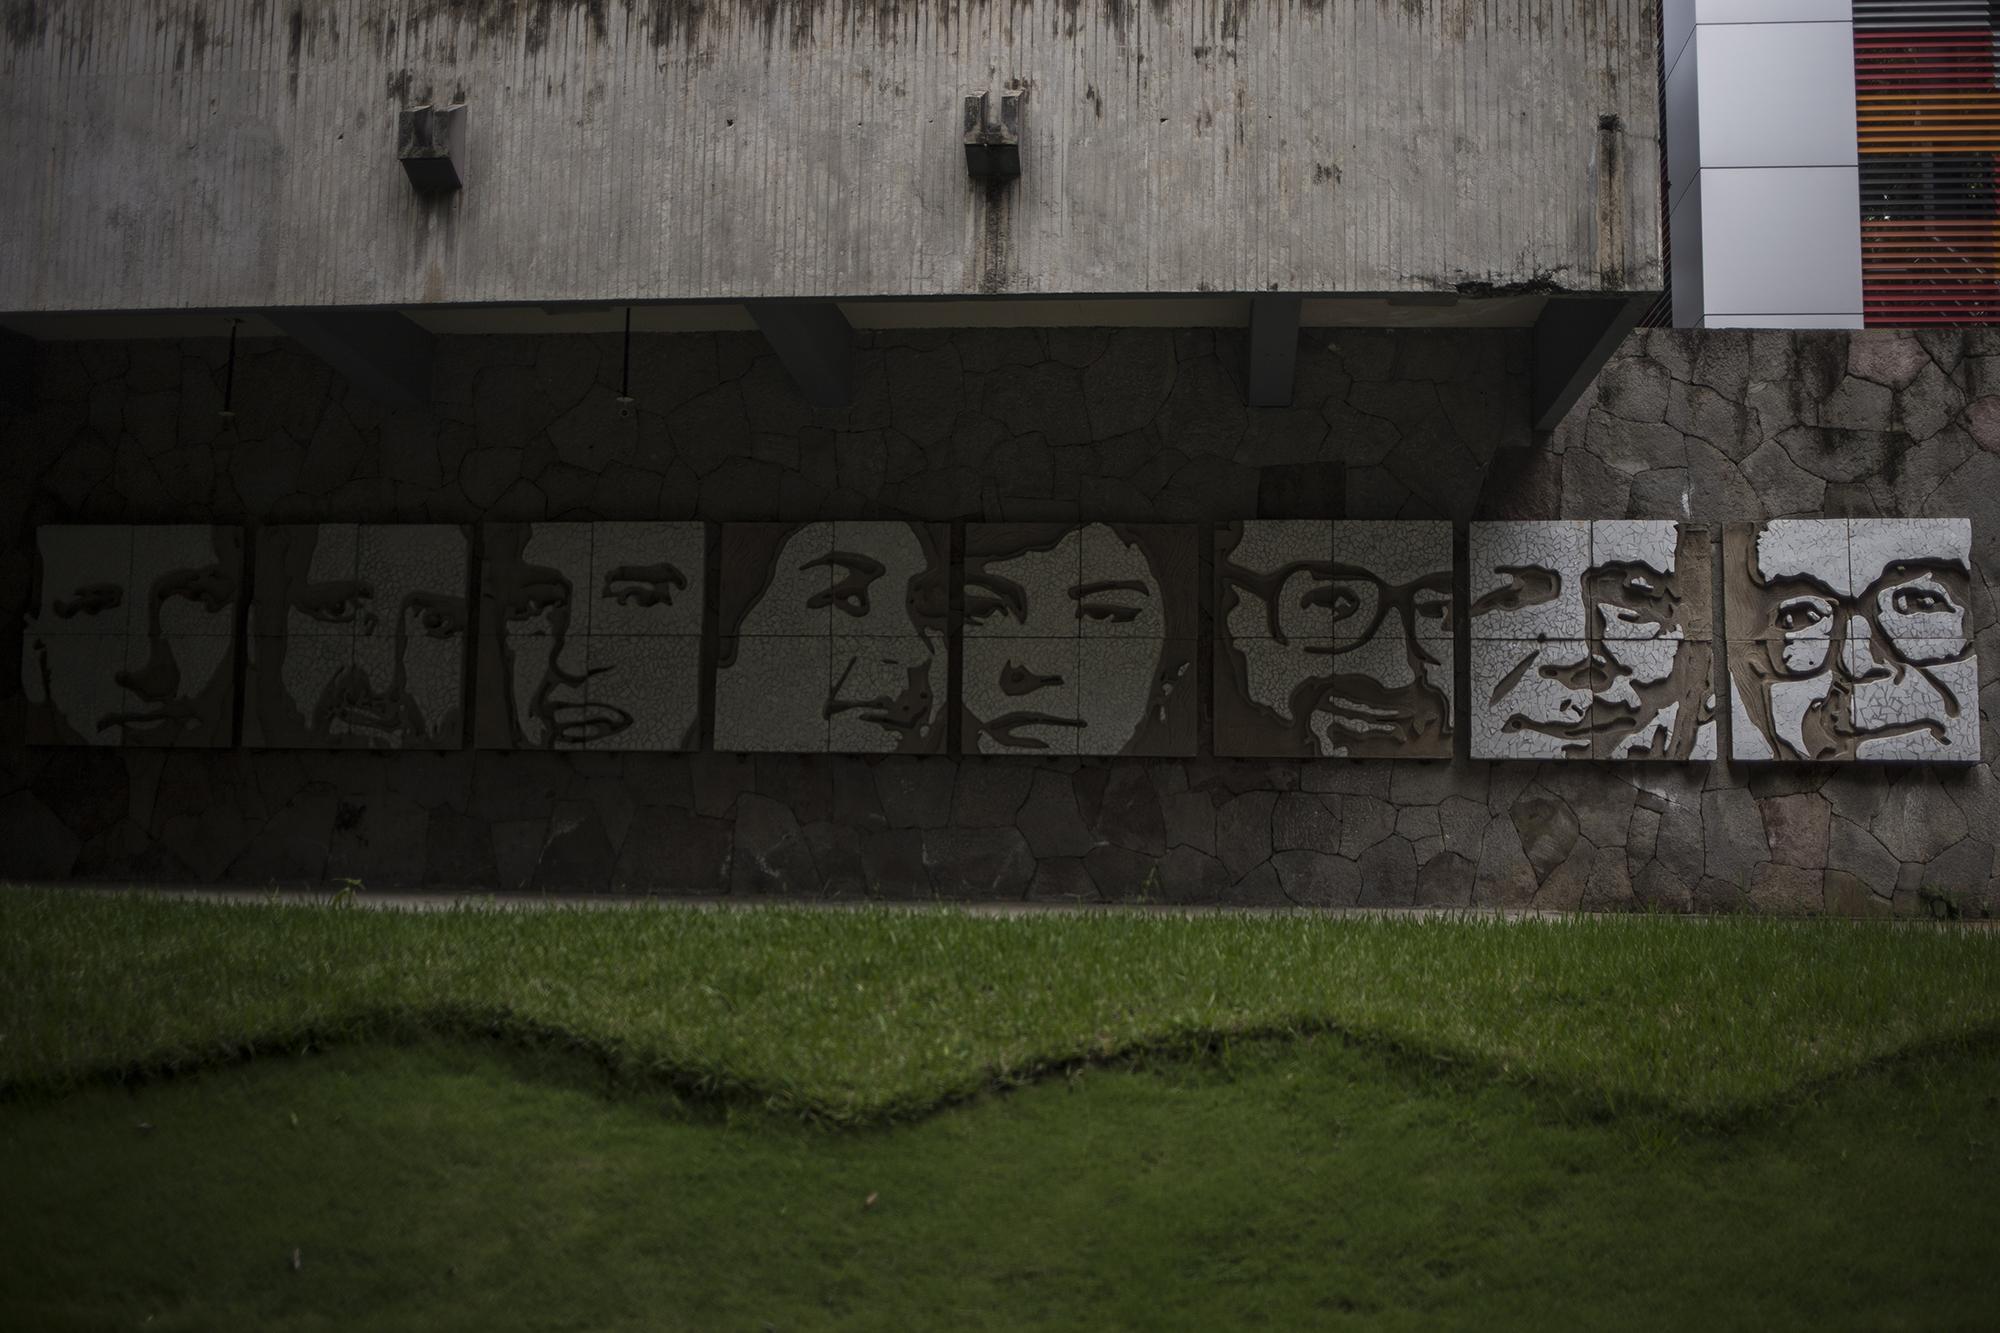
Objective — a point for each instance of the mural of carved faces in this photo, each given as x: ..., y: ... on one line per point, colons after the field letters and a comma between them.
x: 833, y: 637
x: 1334, y: 639
x: 357, y: 637
x: 1592, y: 640
x: 1079, y: 640
x: 1849, y: 640
x: 590, y: 636
x: 131, y: 636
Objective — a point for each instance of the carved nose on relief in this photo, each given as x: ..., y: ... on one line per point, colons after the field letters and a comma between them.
x: 993, y: 148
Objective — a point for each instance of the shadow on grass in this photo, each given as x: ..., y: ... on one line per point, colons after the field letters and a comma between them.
x: 555, y: 1056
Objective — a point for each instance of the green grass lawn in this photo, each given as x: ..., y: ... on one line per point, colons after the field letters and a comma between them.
x: 668, y: 1119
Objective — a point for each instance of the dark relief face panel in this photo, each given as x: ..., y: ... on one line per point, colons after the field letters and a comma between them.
x: 590, y: 636
x: 1080, y: 639
x: 1849, y: 640
x: 130, y: 636
x: 1592, y: 640
x: 833, y: 638
x: 1333, y: 639
x: 357, y: 637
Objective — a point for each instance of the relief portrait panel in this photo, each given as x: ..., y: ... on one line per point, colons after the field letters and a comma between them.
x: 1592, y: 640
x: 130, y: 636
x: 1850, y: 640
x: 1334, y: 639
x: 357, y: 637
x: 1080, y: 639
x: 590, y: 636
x: 833, y: 637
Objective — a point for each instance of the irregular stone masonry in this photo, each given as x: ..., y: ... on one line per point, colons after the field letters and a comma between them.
x: 1011, y: 425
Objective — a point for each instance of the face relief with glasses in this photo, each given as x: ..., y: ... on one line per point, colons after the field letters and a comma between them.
x: 1334, y: 639
x: 1849, y: 640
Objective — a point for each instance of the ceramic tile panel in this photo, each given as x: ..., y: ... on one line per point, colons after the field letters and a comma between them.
x: 1018, y: 580
x: 1656, y: 700
x: 1526, y: 579
x: 358, y: 637
x: 1127, y: 593
x: 1401, y: 567
x: 130, y: 636
x: 1020, y: 696
x: 1531, y: 699
x: 1850, y: 641
x: 1334, y: 639
x: 590, y: 636
x: 1385, y: 697
x: 886, y: 583
x: 770, y: 693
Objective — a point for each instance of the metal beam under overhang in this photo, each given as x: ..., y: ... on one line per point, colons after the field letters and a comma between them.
x: 1573, y: 339
x: 1274, y: 350
x: 815, y: 343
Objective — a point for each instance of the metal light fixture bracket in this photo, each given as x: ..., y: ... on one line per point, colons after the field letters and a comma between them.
x: 993, y: 150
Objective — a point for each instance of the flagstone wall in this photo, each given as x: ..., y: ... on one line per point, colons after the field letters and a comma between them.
x: 1020, y: 424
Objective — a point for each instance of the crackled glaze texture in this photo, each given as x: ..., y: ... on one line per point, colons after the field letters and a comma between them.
x: 1057, y: 425
x: 357, y: 637
x: 1850, y: 639
x: 1334, y: 639
x: 1080, y: 640
x: 1592, y: 640
x: 590, y: 636
x: 833, y: 638
x: 130, y: 636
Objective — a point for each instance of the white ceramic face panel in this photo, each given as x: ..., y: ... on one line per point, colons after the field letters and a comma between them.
x: 1775, y: 95
x: 1592, y: 641
x: 1856, y: 654
x: 1781, y: 238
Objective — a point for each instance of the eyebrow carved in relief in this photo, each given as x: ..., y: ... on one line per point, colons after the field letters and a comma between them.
x: 89, y: 600
x: 1528, y: 585
x: 644, y: 585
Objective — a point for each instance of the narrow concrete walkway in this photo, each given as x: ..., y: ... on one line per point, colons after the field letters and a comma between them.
x: 445, y: 900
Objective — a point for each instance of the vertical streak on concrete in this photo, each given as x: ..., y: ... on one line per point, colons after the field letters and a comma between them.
x: 163, y: 155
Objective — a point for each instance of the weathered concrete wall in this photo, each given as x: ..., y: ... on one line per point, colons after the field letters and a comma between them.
x: 989, y: 424
x: 162, y: 154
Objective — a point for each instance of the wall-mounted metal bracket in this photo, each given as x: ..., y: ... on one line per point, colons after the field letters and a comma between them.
x: 431, y: 141
x: 993, y: 151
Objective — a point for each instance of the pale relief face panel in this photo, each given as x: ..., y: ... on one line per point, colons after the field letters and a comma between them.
x: 832, y: 637
x: 1080, y: 639
x: 130, y: 636
x: 1592, y: 640
x: 358, y: 636
x: 1850, y: 640
x: 1334, y: 639
x: 590, y: 636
